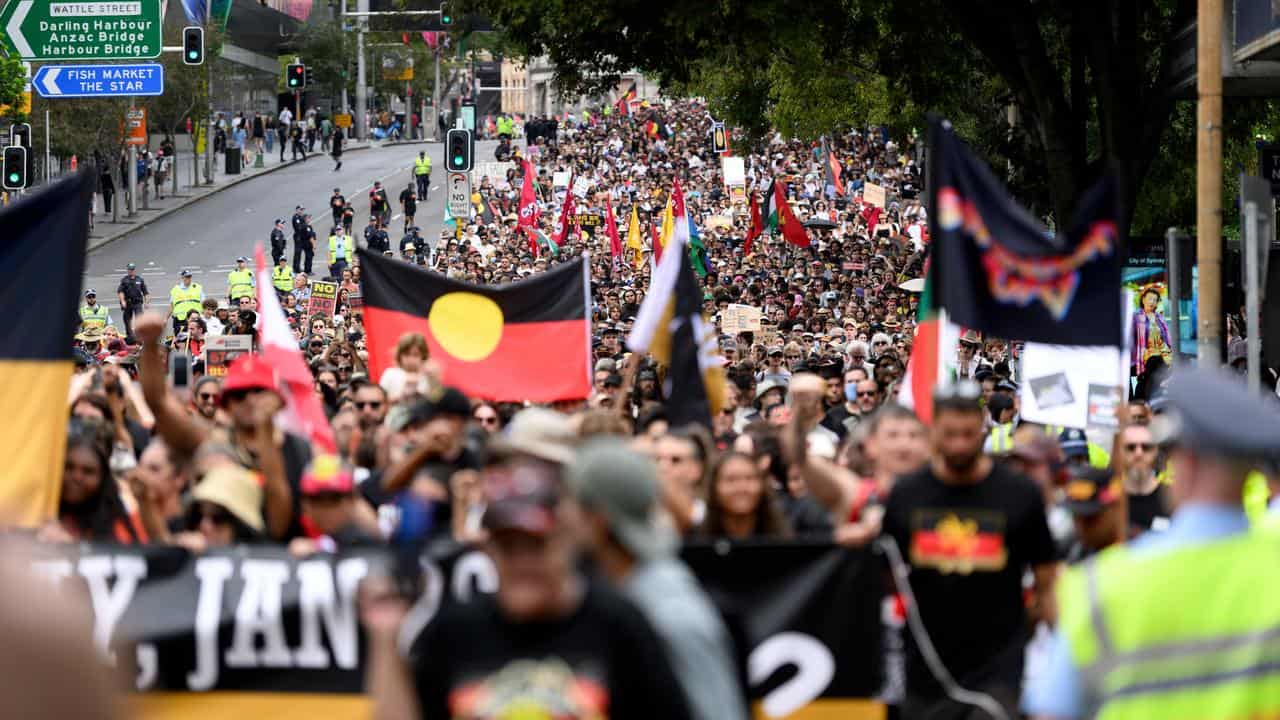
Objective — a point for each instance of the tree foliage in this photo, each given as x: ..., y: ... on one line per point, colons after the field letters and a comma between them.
x: 1089, y: 79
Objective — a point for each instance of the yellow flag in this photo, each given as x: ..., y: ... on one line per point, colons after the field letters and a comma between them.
x: 668, y: 227
x: 633, y: 240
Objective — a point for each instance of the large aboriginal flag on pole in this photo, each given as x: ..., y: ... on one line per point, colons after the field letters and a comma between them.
x: 529, y: 340
x: 42, y: 252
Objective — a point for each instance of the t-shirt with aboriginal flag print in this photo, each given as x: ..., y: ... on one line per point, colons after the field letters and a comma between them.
x: 602, y: 661
x: 968, y: 547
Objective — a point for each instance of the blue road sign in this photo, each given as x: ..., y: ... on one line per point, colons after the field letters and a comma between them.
x: 77, y: 81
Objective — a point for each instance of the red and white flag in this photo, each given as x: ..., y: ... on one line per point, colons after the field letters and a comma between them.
x: 529, y: 212
x: 567, y: 216
x: 302, y: 414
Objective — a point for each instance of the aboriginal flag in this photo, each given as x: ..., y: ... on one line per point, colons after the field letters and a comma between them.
x: 42, y: 252
x: 998, y: 270
x: 529, y: 340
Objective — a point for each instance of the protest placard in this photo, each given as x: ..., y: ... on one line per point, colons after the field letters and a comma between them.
x: 219, y: 350
x: 735, y: 176
x: 873, y: 194
x: 324, y: 298
x: 740, y: 318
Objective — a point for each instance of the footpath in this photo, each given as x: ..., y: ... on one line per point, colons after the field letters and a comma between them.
x: 105, y: 231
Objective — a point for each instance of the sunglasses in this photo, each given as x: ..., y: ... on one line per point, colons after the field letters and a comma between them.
x: 867, y: 393
x: 207, y: 396
x: 345, y: 368
x: 486, y: 420
x: 371, y: 404
x: 1144, y: 447
x: 213, y: 514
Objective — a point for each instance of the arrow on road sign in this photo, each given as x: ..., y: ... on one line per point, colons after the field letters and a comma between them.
x: 75, y: 81
x: 14, y: 28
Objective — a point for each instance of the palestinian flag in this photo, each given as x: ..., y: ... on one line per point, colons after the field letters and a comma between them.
x: 931, y: 354
x: 781, y: 218
x: 623, y: 105
x: 540, y: 239
x: 43, y: 254
x: 757, y: 226
x: 529, y: 340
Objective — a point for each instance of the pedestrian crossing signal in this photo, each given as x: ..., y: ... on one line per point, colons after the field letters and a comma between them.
x: 446, y: 17
x: 295, y: 76
x: 193, y: 45
x: 458, y: 156
x: 15, y: 167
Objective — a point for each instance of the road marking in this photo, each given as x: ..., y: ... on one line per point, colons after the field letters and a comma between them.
x: 396, y: 216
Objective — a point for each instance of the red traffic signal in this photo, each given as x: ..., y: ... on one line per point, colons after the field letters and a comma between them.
x: 295, y: 76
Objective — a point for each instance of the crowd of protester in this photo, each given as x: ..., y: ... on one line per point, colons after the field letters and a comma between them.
x: 809, y: 445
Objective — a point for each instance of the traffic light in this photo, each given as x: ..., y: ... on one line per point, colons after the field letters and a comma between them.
x: 458, y: 156
x: 15, y: 168
x: 446, y: 17
x: 193, y: 45
x: 295, y: 76
x: 719, y: 140
x: 306, y: 76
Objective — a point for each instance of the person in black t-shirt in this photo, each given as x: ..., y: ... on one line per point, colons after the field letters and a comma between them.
x: 1148, y: 501
x: 969, y: 529
x: 549, y: 643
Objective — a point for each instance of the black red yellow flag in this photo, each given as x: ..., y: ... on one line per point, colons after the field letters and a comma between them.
x: 529, y: 340
x: 998, y: 270
x: 43, y: 253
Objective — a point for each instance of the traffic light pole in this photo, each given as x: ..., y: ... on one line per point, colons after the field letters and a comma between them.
x: 435, y: 100
x: 362, y: 90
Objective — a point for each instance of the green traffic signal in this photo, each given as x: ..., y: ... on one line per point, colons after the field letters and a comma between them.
x: 13, y: 177
x: 457, y: 160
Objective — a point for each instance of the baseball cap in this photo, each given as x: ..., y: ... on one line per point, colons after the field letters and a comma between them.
x: 244, y: 259
x: 441, y: 401
x: 248, y: 372
x: 1073, y: 442
x: 90, y: 291
x: 622, y: 485
x: 537, y: 432
x: 1090, y: 490
x: 326, y: 476
x: 522, y: 496
x: 131, y: 266
x: 185, y: 273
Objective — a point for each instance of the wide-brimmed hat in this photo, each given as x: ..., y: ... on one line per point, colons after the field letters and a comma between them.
x: 540, y: 433
x: 235, y: 489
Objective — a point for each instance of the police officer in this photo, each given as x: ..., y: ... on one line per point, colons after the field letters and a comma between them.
x: 240, y: 281
x: 376, y: 237
x: 92, y: 315
x: 184, y: 299
x: 422, y: 174
x: 304, y: 246
x: 278, y: 242
x: 298, y: 222
x: 412, y: 244
x: 1143, y: 629
x: 133, y: 296
x: 342, y: 250
x: 282, y: 277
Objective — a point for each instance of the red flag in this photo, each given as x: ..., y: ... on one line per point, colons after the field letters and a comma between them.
x: 303, y: 414
x: 529, y: 210
x: 404, y: 38
x: 611, y: 230
x: 833, y: 166
x: 567, y: 213
x: 792, y: 231
x: 657, y: 243
x: 757, y: 226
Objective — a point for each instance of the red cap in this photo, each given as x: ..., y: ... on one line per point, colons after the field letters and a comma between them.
x: 248, y: 372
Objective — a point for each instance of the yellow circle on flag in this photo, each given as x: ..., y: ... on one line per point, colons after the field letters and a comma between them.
x: 468, y: 326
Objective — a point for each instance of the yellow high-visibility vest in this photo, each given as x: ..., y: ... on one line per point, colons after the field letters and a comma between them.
x: 240, y: 283
x: 185, y: 300
x: 282, y: 278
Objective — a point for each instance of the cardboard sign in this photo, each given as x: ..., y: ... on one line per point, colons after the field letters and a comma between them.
x: 560, y: 179
x: 355, y: 300
x: 220, y: 350
x: 588, y: 220
x: 495, y: 171
x: 324, y: 298
x: 581, y: 185
x: 740, y: 318
x: 873, y: 194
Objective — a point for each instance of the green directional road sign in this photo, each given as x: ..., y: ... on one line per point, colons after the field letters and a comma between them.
x: 81, y: 29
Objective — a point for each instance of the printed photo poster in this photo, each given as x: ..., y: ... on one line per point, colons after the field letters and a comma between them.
x: 324, y: 299
x: 734, y: 170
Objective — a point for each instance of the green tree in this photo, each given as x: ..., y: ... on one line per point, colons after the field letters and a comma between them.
x: 1089, y: 79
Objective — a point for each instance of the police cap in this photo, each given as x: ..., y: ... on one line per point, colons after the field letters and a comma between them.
x: 1213, y: 412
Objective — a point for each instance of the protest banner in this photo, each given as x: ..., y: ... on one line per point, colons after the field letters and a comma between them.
x: 253, y: 629
x: 873, y: 194
x: 324, y: 299
x: 220, y: 350
x: 495, y: 171
x: 581, y: 184
x: 734, y: 170
x: 560, y: 179
x: 740, y: 318
x: 355, y: 300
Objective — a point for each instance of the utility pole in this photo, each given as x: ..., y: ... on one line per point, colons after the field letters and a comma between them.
x: 132, y: 174
x: 208, y: 74
x: 435, y: 98
x: 362, y: 91
x: 1209, y: 180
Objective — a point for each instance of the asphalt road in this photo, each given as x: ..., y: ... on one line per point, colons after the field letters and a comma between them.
x: 207, y: 236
